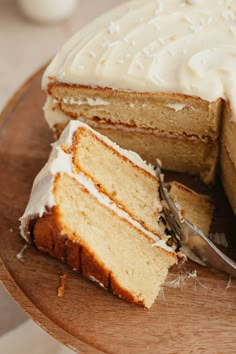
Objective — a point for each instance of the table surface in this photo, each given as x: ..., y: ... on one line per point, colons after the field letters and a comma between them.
x: 26, y: 46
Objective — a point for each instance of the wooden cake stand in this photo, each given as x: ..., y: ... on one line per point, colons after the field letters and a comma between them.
x: 198, y: 317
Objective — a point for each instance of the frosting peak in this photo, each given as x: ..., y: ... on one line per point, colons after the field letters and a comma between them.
x: 156, y: 46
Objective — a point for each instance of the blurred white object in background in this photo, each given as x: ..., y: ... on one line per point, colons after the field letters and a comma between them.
x: 48, y: 11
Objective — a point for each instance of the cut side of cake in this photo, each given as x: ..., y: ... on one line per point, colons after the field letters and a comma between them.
x: 153, y: 76
x: 197, y: 156
x: 196, y: 208
x: 85, y: 209
x: 128, y: 181
x: 228, y: 156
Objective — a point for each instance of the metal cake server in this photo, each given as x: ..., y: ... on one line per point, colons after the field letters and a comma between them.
x: 200, y: 249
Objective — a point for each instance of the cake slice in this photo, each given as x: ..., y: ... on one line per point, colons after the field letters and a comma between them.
x: 96, y: 207
x: 196, y: 208
x: 128, y: 181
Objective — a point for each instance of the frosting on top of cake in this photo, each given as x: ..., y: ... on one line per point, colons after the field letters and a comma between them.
x: 177, y: 46
x: 42, y: 197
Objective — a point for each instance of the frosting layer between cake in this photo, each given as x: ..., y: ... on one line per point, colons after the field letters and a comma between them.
x: 174, y: 46
x: 55, y: 116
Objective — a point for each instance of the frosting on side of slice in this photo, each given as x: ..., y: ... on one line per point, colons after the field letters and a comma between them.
x: 176, y: 46
x: 52, y: 115
x: 42, y: 198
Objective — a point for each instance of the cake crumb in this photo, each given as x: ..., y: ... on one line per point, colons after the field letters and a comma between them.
x: 182, y: 258
x: 228, y: 285
x: 20, y: 255
x: 61, y: 289
x: 182, y: 279
x: 11, y: 230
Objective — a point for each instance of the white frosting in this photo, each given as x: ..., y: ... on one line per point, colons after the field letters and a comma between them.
x: 42, y: 197
x: 176, y: 106
x: 52, y: 115
x: 88, y: 101
x: 162, y: 244
x: 179, y: 46
x: 55, y: 116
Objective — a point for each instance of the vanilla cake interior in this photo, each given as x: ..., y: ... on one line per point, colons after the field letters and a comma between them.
x: 191, y: 155
x: 196, y: 208
x: 93, y: 154
x: 102, y: 215
x: 228, y: 156
x: 157, y: 77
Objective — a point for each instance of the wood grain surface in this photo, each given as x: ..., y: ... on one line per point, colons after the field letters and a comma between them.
x: 198, y: 317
